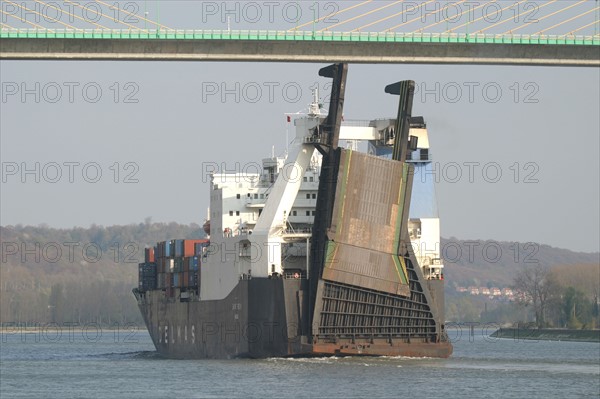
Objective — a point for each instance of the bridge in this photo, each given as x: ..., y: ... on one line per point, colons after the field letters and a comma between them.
x: 566, y: 35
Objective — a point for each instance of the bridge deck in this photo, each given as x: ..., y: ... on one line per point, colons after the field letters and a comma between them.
x: 268, y: 35
x: 299, y: 46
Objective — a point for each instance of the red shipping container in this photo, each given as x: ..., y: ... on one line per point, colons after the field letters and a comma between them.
x: 185, y: 282
x: 188, y: 246
x: 149, y: 255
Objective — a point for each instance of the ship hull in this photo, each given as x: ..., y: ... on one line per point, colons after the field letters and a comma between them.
x: 260, y: 318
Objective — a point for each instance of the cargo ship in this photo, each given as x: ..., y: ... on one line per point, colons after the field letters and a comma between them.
x: 326, y: 251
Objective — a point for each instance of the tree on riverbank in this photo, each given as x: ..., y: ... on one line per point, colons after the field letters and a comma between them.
x: 554, y: 301
x: 537, y: 288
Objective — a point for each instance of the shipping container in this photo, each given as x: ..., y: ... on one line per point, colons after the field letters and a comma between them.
x: 147, y: 276
x: 186, y: 279
x: 200, y: 247
x: 190, y: 246
x: 149, y: 255
x: 176, y: 280
x: 167, y: 249
x: 195, y: 263
x: 178, y: 262
x: 193, y: 276
x: 171, y: 263
x: 178, y: 247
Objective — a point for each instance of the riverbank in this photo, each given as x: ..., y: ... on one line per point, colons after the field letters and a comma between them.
x: 548, y: 334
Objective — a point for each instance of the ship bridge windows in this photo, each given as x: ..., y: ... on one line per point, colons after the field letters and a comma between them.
x: 414, y: 229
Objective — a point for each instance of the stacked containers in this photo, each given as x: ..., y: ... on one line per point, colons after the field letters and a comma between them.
x: 147, y: 276
x: 176, y: 264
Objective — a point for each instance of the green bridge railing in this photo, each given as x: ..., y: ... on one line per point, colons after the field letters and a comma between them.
x: 259, y: 35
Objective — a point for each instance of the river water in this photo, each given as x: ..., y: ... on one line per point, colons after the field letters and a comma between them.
x: 108, y: 364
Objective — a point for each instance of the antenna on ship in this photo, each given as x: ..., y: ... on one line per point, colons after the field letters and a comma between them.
x: 314, y: 109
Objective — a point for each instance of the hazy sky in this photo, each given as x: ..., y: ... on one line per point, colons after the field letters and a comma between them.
x: 162, y: 123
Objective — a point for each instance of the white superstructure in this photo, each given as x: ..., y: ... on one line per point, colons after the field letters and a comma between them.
x: 260, y: 223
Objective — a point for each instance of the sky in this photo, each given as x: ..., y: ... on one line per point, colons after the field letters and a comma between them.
x: 106, y: 143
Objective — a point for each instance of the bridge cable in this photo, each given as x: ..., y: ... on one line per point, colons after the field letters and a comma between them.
x: 440, y: 21
x: 360, y: 16
x: 392, y: 16
x: 485, y: 16
x: 469, y: 10
x: 43, y: 16
x: 580, y: 28
x: 546, y: 16
x: 4, y: 25
x: 73, y: 15
x: 332, y: 15
x: 567, y: 20
x: 516, y: 16
x: 102, y: 15
x: 26, y: 21
x: 416, y: 18
x: 159, y: 25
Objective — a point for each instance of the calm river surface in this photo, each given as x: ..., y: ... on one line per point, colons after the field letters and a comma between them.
x: 124, y: 364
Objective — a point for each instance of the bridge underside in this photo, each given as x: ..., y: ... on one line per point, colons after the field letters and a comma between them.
x: 299, y: 51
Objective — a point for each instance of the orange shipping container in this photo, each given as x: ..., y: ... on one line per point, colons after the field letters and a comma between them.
x: 149, y: 255
x: 188, y: 246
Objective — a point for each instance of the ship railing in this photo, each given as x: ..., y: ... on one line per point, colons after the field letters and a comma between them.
x: 297, y: 275
x: 356, y: 123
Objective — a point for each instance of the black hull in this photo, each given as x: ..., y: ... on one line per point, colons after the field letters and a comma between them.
x: 260, y: 318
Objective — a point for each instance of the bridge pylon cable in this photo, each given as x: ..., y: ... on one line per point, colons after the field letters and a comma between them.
x: 516, y: 16
x: 567, y: 20
x: 134, y: 15
x: 435, y: 23
x: 26, y: 21
x: 414, y: 7
x: 44, y: 16
x: 4, y: 25
x: 469, y: 10
x: 70, y: 14
x: 419, y: 17
x: 487, y: 16
x: 333, y: 15
x: 546, y: 16
x: 572, y: 33
x: 361, y: 15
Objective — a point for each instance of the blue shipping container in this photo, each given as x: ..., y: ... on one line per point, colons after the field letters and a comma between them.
x: 178, y: 247
x: 167, y: 247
